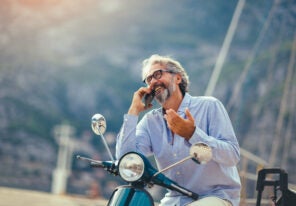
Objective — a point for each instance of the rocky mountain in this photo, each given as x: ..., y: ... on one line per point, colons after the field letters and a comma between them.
x: 63, y: 61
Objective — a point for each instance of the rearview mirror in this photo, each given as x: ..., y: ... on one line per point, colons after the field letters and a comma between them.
x: 201, y: 152
x: 98, y: 124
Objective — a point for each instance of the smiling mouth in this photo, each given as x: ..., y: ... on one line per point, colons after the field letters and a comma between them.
x: 157, y: 90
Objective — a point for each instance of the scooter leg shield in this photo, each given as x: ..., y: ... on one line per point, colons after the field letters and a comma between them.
x: 130, y: 196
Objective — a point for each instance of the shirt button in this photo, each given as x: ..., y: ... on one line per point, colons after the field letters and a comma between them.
x: 178, y: 173
x: 175, y: 155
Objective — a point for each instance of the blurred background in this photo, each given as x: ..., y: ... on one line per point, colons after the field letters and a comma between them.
x: 61, y: 61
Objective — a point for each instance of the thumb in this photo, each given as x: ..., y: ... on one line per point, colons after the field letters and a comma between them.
x: 189, y: 115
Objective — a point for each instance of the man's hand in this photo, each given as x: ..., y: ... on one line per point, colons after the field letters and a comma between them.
x: 183, y: 127
x: 137, y: 104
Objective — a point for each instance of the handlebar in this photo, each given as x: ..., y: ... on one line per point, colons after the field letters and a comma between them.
x: 162, y: 180
x: 150, y: 176
x: 110, y: 166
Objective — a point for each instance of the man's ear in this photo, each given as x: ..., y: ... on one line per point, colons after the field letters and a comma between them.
x: 179, y: 78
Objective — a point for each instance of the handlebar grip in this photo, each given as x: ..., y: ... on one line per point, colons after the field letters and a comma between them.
x: 185, y: 191
x: 96, y: 164
x: 109, y: 166
x: 195, y: 196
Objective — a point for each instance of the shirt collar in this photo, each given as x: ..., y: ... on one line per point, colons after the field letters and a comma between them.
x: 184, y: 104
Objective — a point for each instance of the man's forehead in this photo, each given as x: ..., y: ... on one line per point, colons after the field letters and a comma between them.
x: 149, y: 69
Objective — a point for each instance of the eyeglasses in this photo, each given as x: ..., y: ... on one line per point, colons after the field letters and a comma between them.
x: 156, y: 75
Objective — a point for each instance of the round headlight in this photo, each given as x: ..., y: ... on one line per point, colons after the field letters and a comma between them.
x: 131, y: 167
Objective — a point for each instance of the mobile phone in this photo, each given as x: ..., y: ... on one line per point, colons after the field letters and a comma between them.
x: 148, y: 98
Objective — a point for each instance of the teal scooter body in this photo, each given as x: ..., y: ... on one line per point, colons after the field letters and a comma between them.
x: 129, y: 195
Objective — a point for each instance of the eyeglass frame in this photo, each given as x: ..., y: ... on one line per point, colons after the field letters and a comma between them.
x: 153, y: 75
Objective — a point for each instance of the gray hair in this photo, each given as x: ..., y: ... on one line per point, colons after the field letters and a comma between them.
x: 171, y: 65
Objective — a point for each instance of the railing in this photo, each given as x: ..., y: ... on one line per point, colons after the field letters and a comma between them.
x: 248, y: 169
x: 249, y: 162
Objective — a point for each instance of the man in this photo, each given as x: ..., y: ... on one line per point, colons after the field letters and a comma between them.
x: 168, y: 132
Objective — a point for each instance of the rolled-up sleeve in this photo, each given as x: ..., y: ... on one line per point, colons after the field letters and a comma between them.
x: 133, y: 136
x: 218, y: 134
x: 126, y: 138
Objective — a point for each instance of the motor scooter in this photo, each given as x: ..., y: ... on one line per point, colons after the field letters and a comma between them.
x: 135, y: 169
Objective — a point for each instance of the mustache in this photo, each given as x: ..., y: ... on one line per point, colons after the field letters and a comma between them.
x: 159, y: 85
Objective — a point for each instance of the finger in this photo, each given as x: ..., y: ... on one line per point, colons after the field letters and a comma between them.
x: 143, y: 90
x: 189, y: 115
x: 149, y: 106
x: 171, y: 113
x: 173, y: 119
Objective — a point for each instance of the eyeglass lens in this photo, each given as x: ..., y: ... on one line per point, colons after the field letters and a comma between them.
x: 156, y: 75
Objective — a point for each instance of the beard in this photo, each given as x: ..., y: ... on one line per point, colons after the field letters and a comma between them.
x: 166, y: 93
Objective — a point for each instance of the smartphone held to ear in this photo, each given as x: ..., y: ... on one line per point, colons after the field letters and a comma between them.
x: 148, y: 98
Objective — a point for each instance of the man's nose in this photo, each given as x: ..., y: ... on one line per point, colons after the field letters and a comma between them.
x: 153, y: 81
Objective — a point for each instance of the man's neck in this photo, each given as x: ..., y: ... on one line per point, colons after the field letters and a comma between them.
x: 173, y: 102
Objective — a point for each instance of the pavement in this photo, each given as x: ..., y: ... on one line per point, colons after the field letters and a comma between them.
x: 19, y: 197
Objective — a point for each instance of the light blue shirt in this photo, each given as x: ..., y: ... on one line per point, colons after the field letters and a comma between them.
x: 151, y: 136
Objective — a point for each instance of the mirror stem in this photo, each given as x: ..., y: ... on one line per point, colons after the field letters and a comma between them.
x: 173, y: 165
x: 106, y: 146
x: 88, y: 159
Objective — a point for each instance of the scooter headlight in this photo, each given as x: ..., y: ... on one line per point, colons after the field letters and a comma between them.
x: 131, y: 167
